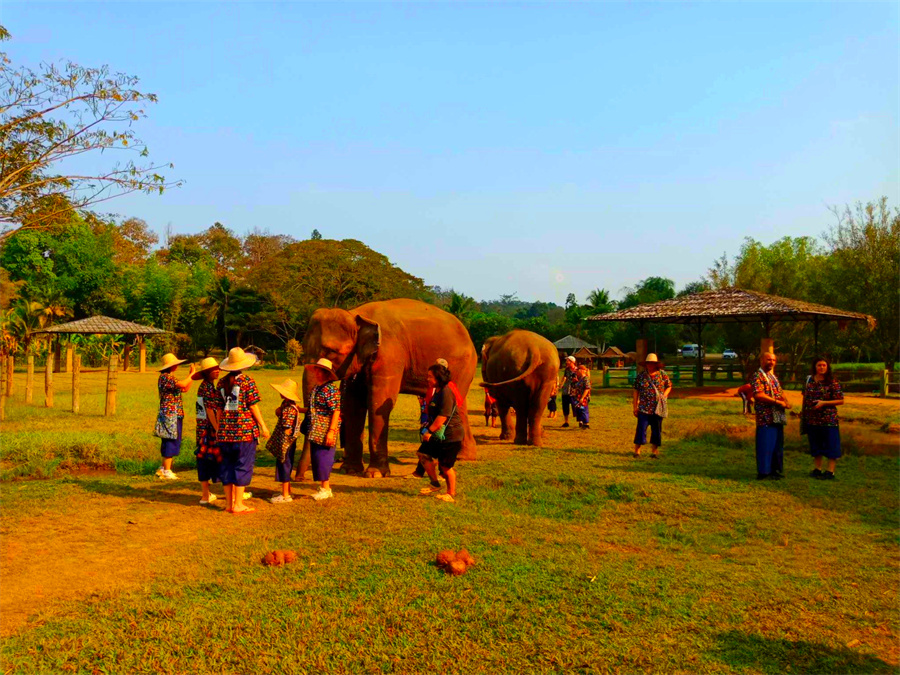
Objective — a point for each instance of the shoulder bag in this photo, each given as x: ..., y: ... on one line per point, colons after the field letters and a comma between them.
x: 779, y: 416
x: 281, y: 440
x: 803, y: 429
x: 166, y: 426
x: 662, y: 404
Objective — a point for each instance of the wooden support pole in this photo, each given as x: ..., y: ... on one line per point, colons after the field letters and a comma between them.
x: 70, y: 349
x: 10, y: 370
x: 57, y: 355
x: 3, y: 388
x: 76, y: 383
x: 48, y: 380
x: 143, y: 355
x: 112, y: 385
x: 641, y: 348
x: 699, y: 374
x: 126, y: 358
x: 885, y: 383
x: 29, y: 379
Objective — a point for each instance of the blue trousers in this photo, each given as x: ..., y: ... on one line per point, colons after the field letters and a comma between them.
x: 582, y: 413
x: 640, y: 433
x: 769, y: 449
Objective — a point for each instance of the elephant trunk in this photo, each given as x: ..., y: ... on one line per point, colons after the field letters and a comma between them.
x: 534, y: 362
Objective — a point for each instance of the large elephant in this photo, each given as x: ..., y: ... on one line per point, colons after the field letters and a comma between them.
x: 381, y: 350
x: 520, y: 370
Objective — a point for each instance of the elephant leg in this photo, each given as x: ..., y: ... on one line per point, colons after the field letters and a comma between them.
x: 383, y: 394
x: 522, y: 419
x: 536, y: 407
x: 353, y: 414
x: 505, y: 425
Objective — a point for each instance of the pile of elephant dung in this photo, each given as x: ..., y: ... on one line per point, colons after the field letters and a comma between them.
x: 455, y: 563
x: 279, y: 558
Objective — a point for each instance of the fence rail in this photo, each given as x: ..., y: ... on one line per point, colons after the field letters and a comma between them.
x: 852, y: 380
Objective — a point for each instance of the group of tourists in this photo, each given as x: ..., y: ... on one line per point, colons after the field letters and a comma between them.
x: 230, y: 424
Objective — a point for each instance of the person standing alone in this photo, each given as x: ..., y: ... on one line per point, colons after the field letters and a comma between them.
x: 569, y: 377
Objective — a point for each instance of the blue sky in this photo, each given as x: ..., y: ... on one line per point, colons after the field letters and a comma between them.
x: 536, y: 148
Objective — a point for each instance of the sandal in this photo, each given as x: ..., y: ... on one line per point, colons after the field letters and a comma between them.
x: 445, y: 498
x: 249, y: 509
x: 429, y: 490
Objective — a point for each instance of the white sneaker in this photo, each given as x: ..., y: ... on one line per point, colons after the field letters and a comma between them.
x: 247, y: 494
x: 211, y: 499
x: 169, y: 475
x: 281, y: 499
x: 159, y: 472
x: 322, y: 494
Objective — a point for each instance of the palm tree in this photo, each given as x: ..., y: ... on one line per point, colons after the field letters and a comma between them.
x: 461, y: 306
x: 217, y: 302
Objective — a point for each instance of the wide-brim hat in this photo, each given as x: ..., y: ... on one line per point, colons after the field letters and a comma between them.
x: 651, y: 358
x: 169, y: 360
x: 571, y: 358
x: 205, y: 365
x: 237, y: 359
x: 288, y: 389
x: 324, y: 364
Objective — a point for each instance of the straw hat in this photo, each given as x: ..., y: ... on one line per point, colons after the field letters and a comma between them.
x: 324, y: 364
x: 237, y: 359
x: 570, y: 358
x: 206, y: 364
x: 443, y: 362
x: 288, y: 389
x: 651, y: 358
x: 170, y: 360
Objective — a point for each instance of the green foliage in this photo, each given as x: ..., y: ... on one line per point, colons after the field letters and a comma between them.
x: 58, y: 112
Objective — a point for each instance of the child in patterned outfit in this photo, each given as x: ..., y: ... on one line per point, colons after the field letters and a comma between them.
x: 240, y: 428
x: 209, y: 411
x: 580, y: 394
x: 491, y: 411
x: 288, y: 428
x: 325, y: 420
x: 170, y: 405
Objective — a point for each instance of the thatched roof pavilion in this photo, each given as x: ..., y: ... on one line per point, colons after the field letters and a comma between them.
x: 104, y: 325
x: 731, y: 305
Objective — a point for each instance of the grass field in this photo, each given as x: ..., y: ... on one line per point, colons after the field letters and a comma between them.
x: 588, y: 560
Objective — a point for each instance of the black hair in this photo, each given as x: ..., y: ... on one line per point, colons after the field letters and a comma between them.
x: 441, y: 374
x: 828, y: 376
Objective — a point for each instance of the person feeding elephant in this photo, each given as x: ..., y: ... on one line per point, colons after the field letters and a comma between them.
x: 442, y: 437
x: 324, y: 423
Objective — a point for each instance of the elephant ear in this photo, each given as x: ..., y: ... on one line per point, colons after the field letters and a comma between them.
x: 368, y: 339
x: 486, y: 348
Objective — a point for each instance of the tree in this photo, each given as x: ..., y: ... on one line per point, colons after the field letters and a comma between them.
x: 862, y: 270
x: 316, y: 235
x: 461, y: 306
x: 58, y: 114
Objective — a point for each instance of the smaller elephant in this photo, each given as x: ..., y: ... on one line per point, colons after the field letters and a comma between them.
x: 520, y: 370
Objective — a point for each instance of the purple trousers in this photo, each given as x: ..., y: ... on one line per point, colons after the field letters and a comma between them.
x: 322, y: 461
x: 171, y: 447
x: 237, y: 462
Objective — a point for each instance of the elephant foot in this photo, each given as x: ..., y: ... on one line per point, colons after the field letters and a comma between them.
x: 353, y: 469
x: 505, y: 437
x: 520, y: 441
x: 376, y: 472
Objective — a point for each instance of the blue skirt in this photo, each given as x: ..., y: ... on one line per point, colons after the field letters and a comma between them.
x: 824, y: 441
x: 171, y: 447
x: 322, y: 457
x: 237, y: 462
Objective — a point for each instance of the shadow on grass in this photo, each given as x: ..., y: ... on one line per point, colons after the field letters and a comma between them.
x: 768, y: 655
x: 152, y: 494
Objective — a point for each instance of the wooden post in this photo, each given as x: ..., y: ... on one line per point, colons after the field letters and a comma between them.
x: 29, y: 379
x: 641, y: 346
x: 70, y: 348
x: 143, y: 355
x: 48, y: 380
x: 3, y: 388
x: 766, y: 346
x: 885, y: 383
x: 10, y: 369
x: 112, y: 385
x: 57, y: 355
x: 126, y: 358
x: 76, y: 383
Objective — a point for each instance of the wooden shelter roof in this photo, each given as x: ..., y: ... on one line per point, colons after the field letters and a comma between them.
x: 732, y: 305
x: 572, y: 342
x: 99, y: 325
x: 585, y: 353
x: 613, y: 352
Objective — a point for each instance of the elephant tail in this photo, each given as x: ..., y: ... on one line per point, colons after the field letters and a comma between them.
x: 534, y: 362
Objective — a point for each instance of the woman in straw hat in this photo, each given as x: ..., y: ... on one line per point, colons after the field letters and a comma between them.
x: 209, y: 412
x: 240, y: 428
x: 285, y: 434
x: 171, y: 407
x: 324, y: 423
x: 650, y: 386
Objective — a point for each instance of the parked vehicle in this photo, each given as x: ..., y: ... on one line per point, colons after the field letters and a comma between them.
x: 729, y: 354
x: 690, y: 351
